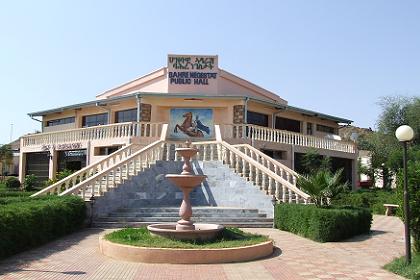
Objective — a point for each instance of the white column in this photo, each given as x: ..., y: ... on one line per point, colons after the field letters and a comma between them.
x: 22, y: 166
x: 52, y: 165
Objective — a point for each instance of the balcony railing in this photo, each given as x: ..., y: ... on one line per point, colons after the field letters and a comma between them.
x: 261, y: 133
x: 118, y: 130
x: 153, y: 131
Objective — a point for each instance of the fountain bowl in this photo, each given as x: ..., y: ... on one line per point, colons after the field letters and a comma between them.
x: 187, y: 151
x: 186, y: 180
x: 202, y: 232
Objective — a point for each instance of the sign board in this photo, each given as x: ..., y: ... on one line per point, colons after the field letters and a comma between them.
x: 192, y: 73
x: 186, y: 123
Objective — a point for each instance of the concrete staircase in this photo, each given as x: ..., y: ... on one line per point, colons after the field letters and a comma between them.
x: 228, y: 216
x: 147, y: 198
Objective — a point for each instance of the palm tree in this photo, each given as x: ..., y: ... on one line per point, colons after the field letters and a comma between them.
x: 322, y: 185
x: 6, y: 157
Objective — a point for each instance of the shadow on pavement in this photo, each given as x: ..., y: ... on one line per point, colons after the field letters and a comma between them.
x: 364, y: 237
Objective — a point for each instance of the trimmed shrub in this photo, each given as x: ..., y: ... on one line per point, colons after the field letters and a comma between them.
x: 15, y: 193
x: 12, y: 183
x: 27, y: 222
x: 372, y: 199
x: 322, y: 224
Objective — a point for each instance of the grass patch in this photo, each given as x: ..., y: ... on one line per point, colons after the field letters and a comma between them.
x: 398, y: 266
x: 141, y: 237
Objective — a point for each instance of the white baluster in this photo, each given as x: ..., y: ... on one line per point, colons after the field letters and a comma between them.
x: 270, y: 186
x: 277, y: 191
x: 251, y: 173
x: 284, y: 195
x: 264, y: 181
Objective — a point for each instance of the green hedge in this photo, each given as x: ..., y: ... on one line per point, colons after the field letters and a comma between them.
x: 322, y: 224
x: 26, y: 222
x: 372, y: 199
x: 15, y: 193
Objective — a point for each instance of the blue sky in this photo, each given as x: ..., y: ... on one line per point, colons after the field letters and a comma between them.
x: 337, y: 57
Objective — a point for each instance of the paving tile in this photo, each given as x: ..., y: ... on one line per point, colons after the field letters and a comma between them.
x: 77, y: 257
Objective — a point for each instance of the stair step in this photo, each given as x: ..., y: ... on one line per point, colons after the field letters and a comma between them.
x: 174, y: 219
x: 175, y: 214
x: 143, y: 224
x: 196, y: 210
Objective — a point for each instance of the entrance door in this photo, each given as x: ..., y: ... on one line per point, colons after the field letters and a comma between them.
x: 72, y: 160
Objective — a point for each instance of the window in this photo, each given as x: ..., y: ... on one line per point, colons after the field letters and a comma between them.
x: 93, y: 120
x: 257, y: 118
x: 309, y: 128
x: 326, y: 129
x: 126, y: 116
x: 275, y: 154
x: 104, y: 151
x: 287, y: 124
x: 61, y: 121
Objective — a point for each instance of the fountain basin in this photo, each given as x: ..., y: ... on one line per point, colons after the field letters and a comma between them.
x: 184, y: 256
x: 201, y: 232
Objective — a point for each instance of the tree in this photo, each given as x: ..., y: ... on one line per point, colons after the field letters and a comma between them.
x: 6, y: 157
x: 322, y: 186
x: 312, y: 162
x: 386, y: 152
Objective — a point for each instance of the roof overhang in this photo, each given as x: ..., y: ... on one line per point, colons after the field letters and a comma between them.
x: 319, y: 115
x: 111, y: 100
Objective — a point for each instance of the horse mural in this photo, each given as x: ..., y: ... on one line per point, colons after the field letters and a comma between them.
x: 192, y: 128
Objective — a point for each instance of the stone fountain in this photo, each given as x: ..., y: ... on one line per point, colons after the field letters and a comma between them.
x: 185, y: 229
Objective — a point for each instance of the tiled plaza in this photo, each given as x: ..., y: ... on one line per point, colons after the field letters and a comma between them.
x: 77, y: 256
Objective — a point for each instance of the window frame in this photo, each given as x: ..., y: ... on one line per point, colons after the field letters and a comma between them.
x: 60, y: 121
x: 96, y: 123
x: 132, y: 110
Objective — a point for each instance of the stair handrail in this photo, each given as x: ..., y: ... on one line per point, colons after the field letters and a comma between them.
x: 265, y: 170
x: 270, y: 159
x: 105, y: 171
x: 57, y: 186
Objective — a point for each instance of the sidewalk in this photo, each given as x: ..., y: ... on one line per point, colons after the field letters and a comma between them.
x: 77, y: 257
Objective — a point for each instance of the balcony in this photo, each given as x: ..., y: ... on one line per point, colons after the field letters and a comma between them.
x: 153, y: 130
x: 102, y: 132
x: 260, y: 133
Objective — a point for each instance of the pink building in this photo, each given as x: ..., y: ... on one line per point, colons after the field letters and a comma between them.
x: 191, y: 97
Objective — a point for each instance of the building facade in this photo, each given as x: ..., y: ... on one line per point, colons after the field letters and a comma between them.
x: 191, y: 98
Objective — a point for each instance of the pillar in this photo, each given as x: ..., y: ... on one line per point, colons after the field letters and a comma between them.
x: 52, y: 165
x: 22, y: 166
x: 354, y: 171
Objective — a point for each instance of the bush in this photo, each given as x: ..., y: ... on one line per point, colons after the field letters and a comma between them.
x: 413, y: 175
x: 58, y: 177
x: 12, y: 183
x: 14, y: 193
x: 321, y: 223
x: 372, y: 199
x: 27, y: 222
x: 29, y: 182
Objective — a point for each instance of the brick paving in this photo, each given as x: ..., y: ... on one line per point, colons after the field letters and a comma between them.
x: 77, y: 256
